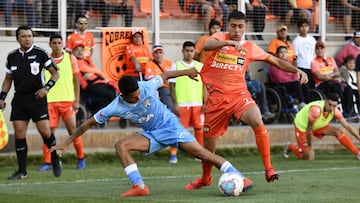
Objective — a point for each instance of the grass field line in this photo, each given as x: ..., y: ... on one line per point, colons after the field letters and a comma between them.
x: 172, y: 177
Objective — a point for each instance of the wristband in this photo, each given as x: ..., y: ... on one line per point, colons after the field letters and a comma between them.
x: 49, y: 84
x: 3, y: 95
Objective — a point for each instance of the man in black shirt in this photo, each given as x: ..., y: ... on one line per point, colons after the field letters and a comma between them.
x: 25, y: 67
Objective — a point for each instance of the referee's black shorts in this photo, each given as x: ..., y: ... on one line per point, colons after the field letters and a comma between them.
x: 26, y: 107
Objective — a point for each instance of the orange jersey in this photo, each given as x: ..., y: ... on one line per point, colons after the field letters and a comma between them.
x: 318, y: 65
x: 152, y: 69
x: 88, y: 72
x: 87, y: 40
x: 142, y: 55
x: 225, y: 69
x: 307, y: 4
x: 275, y: 43
x: 203, y: 55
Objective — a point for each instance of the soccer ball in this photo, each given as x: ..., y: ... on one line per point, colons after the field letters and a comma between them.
x: 231, y: 184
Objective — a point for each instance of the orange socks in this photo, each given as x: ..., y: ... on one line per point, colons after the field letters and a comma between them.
x: 294, y: 149
x: 199, y: 136
x: 207, y: 168
x: 345, y: 141
x: 78, y: 144
x: 263, y: 145
x: 46, y: 154
x: 173, y: 151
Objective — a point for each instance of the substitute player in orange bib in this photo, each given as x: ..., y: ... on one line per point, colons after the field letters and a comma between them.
x: 223, y: 75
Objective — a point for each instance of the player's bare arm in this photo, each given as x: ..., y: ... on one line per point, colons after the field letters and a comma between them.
x: 287, y: 67
x: 5, y: 89
x: 349, y: 128
x: 41, y: 93
x: 191, y: 72
x: 89, y: 123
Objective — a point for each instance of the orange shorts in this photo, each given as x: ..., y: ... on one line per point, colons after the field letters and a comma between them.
x: 191, y: 116
x: 301, y: 138
x: 219, y: 108
x: 59, y: 109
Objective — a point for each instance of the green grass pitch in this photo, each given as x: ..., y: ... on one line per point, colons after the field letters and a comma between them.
x: 332, y: 177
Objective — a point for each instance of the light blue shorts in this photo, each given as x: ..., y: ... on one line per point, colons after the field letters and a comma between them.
x: 171, y: 134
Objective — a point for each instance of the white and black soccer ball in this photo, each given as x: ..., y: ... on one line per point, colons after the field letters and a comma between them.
x: 231, y: 184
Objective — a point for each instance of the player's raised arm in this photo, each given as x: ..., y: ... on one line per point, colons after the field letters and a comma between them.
x: 191, y: 72
x: 89, y: 123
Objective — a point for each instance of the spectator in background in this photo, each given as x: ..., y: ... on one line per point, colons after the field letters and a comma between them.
x: 43, y: 13
x: 352, y: 48
x: 106, y: 8
x: 283, y: 9
x: 258, y: 93
x: 98, y: 91
x: 304, y: 51
x: 81, y: 36
x: 205, y: 9
x: 256, y: 11
x: 157, y: 66
x: 327, y: 78
x: 188, y: 96
x: 200, y: 54
x: 288, y: 80
x: 282, y: 39
x: 303, y: 9
x: 75, y: 8
x: 225, y: 11
x: 343, y: 9
x: 26, y: 6
x: 348, y: 74
x: 137, y: 55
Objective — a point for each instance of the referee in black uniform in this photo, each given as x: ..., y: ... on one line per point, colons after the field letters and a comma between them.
x: 25, y: 67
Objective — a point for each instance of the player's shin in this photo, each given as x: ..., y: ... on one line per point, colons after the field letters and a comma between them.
x: 263, y: 145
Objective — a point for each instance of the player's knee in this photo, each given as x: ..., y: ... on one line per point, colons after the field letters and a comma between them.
x: 120, y: 146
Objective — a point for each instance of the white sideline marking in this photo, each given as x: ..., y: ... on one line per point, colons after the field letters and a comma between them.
x: 172, y: 177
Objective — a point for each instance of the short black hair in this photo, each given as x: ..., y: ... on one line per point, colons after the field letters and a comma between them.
x: 213, y: 22
x: 23, y: 27
x: 80, y: 16
x: 333, y: 96
x: 302, y: 21
x: 188, y: 44
x: 55, y: 36
x: 127, y: 85
x: 279, y: 48
x: 238, y: 15
x: 348, y: 58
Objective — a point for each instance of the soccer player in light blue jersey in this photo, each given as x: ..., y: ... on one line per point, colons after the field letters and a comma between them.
x: 139, y: 103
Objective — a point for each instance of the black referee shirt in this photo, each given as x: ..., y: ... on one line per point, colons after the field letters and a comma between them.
x: 27, y: 69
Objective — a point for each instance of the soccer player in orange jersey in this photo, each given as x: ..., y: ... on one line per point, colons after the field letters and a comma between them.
x: 223, y: 74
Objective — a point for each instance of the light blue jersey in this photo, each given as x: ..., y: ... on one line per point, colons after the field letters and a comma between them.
x: 160, y: 126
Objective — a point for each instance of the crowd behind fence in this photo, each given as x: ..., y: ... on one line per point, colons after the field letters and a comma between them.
x: 328, y: 18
